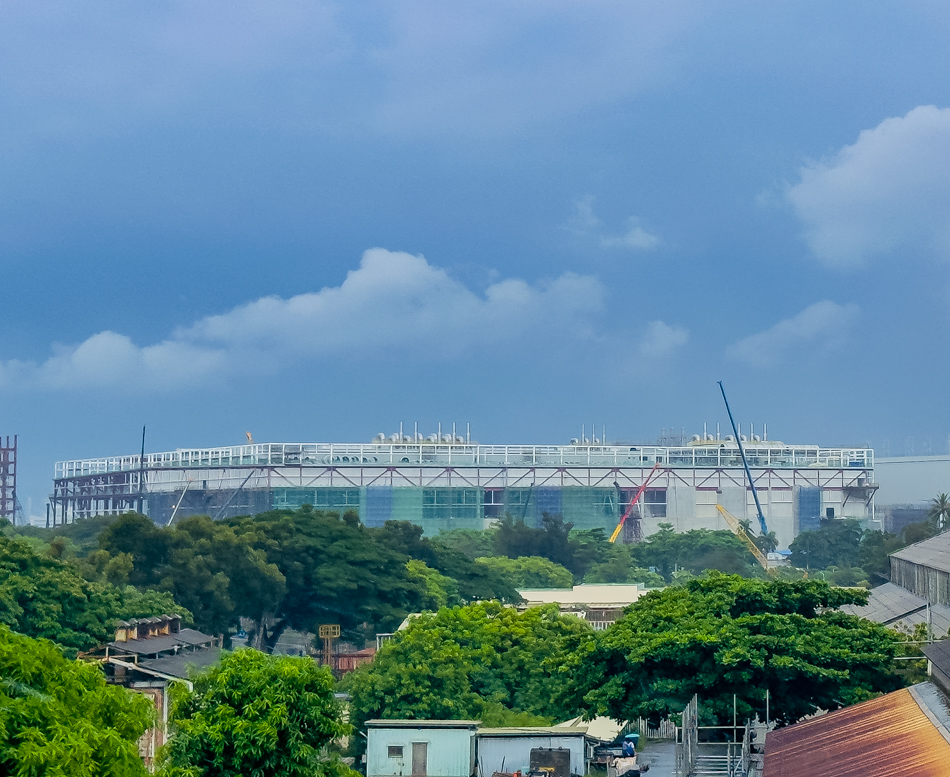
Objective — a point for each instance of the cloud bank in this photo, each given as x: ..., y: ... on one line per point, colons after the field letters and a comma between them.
x: 822, y: 326
x: 586, y: 224
x: 393, y: 304
x: 888, y: 194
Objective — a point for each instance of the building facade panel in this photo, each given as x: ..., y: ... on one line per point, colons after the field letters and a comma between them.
x: 463, y: 485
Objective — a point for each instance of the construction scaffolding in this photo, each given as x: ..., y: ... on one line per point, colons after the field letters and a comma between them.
x: 8, y: 498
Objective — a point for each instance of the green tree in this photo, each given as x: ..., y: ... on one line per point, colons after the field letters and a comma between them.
x: 875, y: 548
x: 620, y: 570
x: 530, y: 572
x: 472, y: 543
x: 482, y: 661
x: 46, y: 598
x: 917, y: 532
x: 75, y: 539
x: 514, y: 539
x: 476, y: 582
x: 336, y: 571
x: 60, y: 718
x: 695, y: 551
x: 215, y: 573
x: 255, y: 714
x: 725, y: 635
x: 939, y: 512
x: 440, y: 591
x: 834, y: 543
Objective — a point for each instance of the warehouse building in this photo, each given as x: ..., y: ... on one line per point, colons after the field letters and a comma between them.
x: 448, y: 481
x: 924, y: 569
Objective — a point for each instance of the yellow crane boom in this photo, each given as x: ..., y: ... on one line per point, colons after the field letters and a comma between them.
x: 743, y: 535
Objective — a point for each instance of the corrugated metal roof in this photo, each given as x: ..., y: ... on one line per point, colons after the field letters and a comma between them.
x: 404, y: 723
x: 156, y: 645
x: 180, y: 664
x: 887, y: 736
x: 892, y: 605
x: 933, y: 553
x: 939, y: 655
x: 532, y: 731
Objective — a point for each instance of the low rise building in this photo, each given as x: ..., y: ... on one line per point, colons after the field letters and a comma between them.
x: 147, y: 656
x: 600, y: 605
x: 420, y: 748
x: 566, y: 751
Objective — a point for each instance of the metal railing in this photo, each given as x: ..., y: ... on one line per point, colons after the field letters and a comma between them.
x: 469, y: 454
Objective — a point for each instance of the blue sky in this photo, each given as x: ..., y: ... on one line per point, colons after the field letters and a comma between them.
x: 314, y: 220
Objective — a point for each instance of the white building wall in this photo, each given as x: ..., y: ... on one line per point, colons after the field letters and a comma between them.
x: 450, y: 751
x: 514, y: 752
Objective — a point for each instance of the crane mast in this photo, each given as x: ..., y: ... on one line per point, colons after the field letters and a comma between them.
x: 745, y: 463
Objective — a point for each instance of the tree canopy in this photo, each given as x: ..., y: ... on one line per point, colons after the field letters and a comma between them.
x: 46, y: 598
x: 529, y: 571
x: 59, y: 718
x: 255, y: 714
x: 296, y: 568
x: 482, y: 661
x: 695, y: 551
x: 726, y: 635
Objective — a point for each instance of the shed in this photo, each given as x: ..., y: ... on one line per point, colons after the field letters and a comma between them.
x: 511, y: 747
x: 420, y: 748
x: 924, y: 569
x: 938, y: 663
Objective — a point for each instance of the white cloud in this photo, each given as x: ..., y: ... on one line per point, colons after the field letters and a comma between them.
x: 887, y: 194
x: 661, y: 339
x: 393, y: 303
x: 822, y: 326
x: 636, y: 238
x: 586, y: 224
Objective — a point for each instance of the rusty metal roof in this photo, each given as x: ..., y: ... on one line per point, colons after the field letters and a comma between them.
x: 891, y: 735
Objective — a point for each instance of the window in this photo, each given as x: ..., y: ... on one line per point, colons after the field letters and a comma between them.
x: 829, y: 513
x: 655, y: 503
x: 395, y: 751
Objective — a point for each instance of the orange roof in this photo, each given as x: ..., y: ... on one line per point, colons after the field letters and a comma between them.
x: 886, y: 736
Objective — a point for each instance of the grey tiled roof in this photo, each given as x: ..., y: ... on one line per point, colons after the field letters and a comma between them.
x: 933, y: 553
x: 180, y: 664
x: 156, y: 645
x: 894, y: 606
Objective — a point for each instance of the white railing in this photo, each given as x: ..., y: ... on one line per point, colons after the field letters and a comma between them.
x: 471, y: 454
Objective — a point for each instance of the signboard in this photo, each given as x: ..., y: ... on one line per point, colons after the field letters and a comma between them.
x: 329, y: 631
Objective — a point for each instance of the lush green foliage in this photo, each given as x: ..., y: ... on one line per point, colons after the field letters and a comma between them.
x: 59, y: 718
x: 471, y: 543
x: 849, y: 553
x: 694, y: 551
x: 287, y: 568
x: 75, y: 539
x: 515, y: 539
x: 255, y: 714
x: 726, y: 635
x: 440, y: 591
x: 939, y: 513
x: 47, y: 598
x: 529, y: 572
x: 475, y: 581
x: 482, y: 661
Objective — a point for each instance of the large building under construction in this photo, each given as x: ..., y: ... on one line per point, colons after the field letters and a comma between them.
x: 448, y: 482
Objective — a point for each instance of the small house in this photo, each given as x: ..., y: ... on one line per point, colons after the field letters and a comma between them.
x: 530, y: 747
x: 420, y: 748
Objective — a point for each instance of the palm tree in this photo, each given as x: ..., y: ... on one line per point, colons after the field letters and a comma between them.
x: 939, y: 512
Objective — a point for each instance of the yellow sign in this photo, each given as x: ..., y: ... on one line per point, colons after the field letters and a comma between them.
x: 328, y: 631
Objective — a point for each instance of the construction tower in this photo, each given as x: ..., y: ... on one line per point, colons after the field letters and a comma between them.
x: 8, y: 500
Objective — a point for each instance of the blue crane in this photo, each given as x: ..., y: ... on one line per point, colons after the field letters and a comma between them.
x: 745, y: 463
